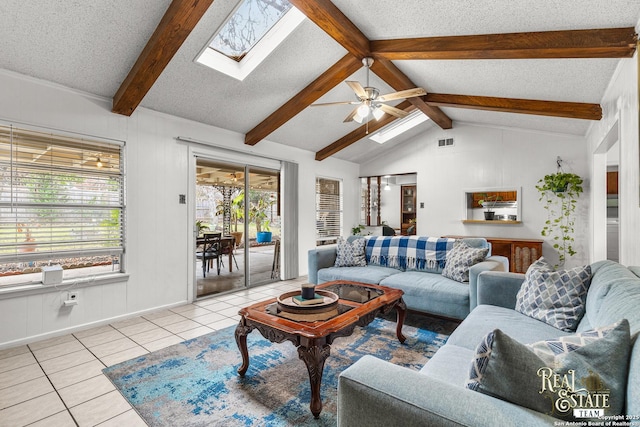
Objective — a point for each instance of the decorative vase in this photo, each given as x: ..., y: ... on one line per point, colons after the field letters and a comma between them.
x: 488, y: 215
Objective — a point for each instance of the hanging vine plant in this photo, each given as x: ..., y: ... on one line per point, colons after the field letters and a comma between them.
x: 560, y: 192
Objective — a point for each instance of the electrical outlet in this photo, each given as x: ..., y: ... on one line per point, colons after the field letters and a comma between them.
x: 72, y: 299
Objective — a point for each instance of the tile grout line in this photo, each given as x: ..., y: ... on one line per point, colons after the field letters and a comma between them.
x: 56, y: 390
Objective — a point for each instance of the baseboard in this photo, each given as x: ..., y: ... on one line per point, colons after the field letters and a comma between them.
x: 95, y: 324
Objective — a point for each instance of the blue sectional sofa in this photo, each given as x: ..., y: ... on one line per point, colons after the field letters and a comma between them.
x: 425, y: 292
x: 373, y: 392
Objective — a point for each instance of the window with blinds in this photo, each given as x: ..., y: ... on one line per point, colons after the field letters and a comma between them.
x: 328, y: 210
x: 61, y: 202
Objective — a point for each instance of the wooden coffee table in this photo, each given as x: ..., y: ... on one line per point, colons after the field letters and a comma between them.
x: 313, y: 338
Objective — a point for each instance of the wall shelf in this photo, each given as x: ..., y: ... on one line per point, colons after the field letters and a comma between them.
x: 492, y: 222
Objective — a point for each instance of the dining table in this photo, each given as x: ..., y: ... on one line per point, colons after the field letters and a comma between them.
x: 225, y: 241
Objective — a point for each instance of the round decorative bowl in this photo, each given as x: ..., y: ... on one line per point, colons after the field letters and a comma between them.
x: 286, y: 303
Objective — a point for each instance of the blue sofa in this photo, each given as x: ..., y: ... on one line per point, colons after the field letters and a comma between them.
x: 373, y: 392
x: 425, y: 292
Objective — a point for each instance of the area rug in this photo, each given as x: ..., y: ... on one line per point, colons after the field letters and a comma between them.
x: 195, y: 383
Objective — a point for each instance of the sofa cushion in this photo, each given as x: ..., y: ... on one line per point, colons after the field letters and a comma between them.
x: 485, y: 318
x: 350, y: 253
x: 595, y: 363
x: 450, y: 364
x: 555, y: 297
x: 431, y: 293
x: 370, y: 274
x: 460, y: 259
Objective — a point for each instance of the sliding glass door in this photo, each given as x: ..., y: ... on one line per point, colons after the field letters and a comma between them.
x: 264, y: 226
x: 238, y: 226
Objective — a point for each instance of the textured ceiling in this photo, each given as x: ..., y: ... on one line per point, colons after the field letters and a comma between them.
x: 91, y: 45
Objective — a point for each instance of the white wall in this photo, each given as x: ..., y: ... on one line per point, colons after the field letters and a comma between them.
x: 157, y: 168
x: 487, y: 157
x: 620, y: 106
x: 390, y: 205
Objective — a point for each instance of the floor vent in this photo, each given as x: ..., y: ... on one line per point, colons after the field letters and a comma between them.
x: 445, y: 142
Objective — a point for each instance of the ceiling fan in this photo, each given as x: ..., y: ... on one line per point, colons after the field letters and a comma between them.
x: 370, y: 102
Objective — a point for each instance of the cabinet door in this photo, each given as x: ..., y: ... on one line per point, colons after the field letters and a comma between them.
x: 523, y: 254
x: 407, y: 206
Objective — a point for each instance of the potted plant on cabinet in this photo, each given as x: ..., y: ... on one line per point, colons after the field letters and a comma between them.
x: 560, y: 192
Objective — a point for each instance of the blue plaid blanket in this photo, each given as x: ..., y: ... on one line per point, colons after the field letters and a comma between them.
x: 408, y: 252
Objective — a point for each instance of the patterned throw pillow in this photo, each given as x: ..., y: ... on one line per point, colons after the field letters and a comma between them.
x: 350, y: 254
x: 555, y: 297
x: 593, y: 362
x: 460, y: 259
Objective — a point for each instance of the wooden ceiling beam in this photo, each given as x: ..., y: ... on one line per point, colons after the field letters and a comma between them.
x: 572, y: 110
x: 361, y: 132
x: 597, y: 43
x: 338, y: 72
x: 175, y: 26
x: 395, y: 78
x: 333, y: 22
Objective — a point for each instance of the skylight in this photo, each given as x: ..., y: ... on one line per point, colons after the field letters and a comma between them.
x: 249, y: 35
x: 399, y: 127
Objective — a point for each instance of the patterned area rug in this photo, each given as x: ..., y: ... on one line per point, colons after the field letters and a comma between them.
x: 195, y: 383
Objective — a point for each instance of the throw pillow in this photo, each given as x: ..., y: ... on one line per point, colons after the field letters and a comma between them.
x: 569, y: 377
x: 350, y: 254
x: 554, y: 297
x: 460, y: 259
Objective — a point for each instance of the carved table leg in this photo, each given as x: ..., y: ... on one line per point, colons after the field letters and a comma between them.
x: 314, y: 358
x: 401, y: 309
x: 242, y: 330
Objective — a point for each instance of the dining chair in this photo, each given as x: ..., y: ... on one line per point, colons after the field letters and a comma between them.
x: 229, y: 246
x: 211, y: 249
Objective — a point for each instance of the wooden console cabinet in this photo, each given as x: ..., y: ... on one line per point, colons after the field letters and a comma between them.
x: 520, y: 252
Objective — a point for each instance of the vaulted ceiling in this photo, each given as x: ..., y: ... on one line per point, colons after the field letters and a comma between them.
x: 549, y: 76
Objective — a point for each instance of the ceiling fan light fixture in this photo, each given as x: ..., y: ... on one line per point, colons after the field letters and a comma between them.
x: 364, y: 110
x: 378, y: 113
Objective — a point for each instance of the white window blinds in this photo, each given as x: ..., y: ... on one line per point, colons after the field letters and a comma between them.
x: 328, y: 210
x: 59, y: 196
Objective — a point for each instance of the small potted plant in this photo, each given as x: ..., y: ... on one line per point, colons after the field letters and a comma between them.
x: 357, y: 230
x: 264, y: 236
x: 488, y: 203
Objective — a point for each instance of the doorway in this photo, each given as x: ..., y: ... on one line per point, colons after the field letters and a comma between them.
x: 605, y: 198
x: 237, y: 218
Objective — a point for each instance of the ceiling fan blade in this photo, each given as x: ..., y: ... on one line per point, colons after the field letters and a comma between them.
x: 351, y: 115
x: 358, y: 89
x: 393, y: 111
x: 403, y: 94
x: 335, y: 103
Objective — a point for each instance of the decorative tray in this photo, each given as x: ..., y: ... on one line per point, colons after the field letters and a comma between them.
x: 286, y: 303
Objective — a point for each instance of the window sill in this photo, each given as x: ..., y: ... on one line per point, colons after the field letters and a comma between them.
x: 66, y: 285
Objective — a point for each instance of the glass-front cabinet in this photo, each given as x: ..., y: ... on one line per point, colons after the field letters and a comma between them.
x: 407, y: 206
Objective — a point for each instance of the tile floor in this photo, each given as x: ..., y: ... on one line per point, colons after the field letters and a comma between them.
x: 59, y: 382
